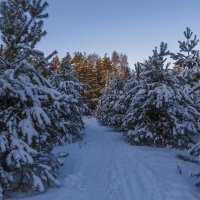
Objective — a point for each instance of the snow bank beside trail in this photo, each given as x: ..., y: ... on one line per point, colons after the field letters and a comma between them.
x: 105, y: 167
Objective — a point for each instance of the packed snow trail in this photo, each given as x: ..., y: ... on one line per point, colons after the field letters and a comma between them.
x: 105, y: 167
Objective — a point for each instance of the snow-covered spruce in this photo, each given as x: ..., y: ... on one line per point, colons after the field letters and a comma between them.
x: 109, y: 111
x: 161, y: 113
x: 72, y: 108
x: 28, y: 103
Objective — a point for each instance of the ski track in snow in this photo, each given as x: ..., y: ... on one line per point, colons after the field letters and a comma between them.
x: 105, y: 167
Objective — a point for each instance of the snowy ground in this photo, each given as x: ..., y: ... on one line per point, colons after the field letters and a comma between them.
x: 105, y: 167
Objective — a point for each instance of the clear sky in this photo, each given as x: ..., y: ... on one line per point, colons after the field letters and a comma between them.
x: 133, y: 27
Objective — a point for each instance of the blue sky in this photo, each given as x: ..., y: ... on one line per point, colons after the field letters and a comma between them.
x: 133, y: 27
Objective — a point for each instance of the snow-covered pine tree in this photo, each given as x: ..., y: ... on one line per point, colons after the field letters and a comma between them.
x: 188, y: 57
x: 72, y: 108
x: 27, y: 100
x: 161, y: 113
x: 108, y: 110
x: 188, y: 60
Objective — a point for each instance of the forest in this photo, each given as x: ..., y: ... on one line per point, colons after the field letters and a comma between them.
x: 48, y: 102
x: 94, y: 71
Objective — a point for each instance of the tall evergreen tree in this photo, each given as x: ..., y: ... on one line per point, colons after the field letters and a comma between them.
x: 68, y: 59
x: 28, y: 102
x: 55, y: 64
x: 106, y: 68
x: 92, y: 93
x: 100, y: 74
x: 78, y: 63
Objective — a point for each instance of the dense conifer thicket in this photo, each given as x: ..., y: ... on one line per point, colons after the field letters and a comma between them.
x: 158, y: 105
x: 34, y: 114
x: 95, y: 72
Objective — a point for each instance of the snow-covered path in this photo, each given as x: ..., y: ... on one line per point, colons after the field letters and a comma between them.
x: 105, y: 167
